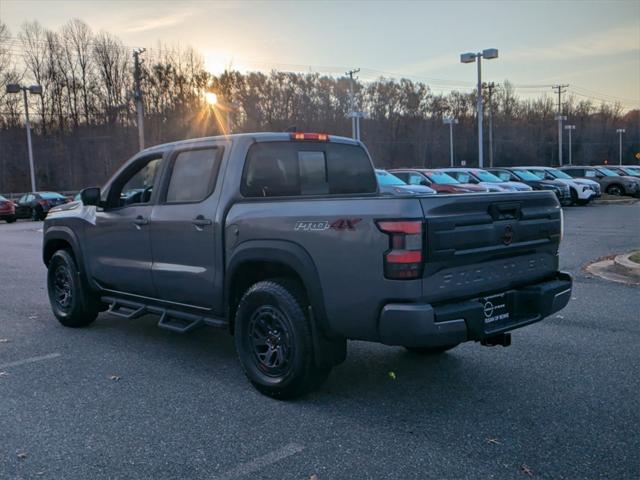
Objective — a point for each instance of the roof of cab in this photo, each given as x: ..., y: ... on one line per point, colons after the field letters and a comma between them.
x: 256, y: 137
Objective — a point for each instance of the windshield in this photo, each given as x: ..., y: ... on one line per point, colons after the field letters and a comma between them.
x: 385, y: 178
x: 50, y: 195
x: 608, y: 173
x: 485, y: 176
x: 526, y: 175
x: 441, y: 178
x: 559, y: 174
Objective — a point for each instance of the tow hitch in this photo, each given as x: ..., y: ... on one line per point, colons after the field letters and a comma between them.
x: 503, y: 339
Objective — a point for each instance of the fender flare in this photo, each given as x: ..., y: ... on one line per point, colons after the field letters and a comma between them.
x: 66, y: 234
x: 286, y: 253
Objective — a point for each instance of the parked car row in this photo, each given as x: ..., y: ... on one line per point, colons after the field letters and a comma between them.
x: 620, y: 180
x: 572, y: 185
x: 33, y: 205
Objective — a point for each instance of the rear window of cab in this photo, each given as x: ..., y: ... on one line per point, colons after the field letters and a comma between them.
x: 277, y: 169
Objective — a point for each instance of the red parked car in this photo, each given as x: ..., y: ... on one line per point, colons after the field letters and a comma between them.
x: 7, y: 210
x: 439, y: 181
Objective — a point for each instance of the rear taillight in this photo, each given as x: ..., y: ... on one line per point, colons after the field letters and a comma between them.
x: 403, y: 260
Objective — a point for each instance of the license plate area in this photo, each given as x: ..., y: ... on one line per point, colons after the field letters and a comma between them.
x: 496, y: 310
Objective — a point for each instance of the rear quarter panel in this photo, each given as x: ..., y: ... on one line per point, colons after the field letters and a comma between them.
x: 348, y: 256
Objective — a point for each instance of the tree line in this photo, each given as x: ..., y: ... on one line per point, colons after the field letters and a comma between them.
x: 84, y: 122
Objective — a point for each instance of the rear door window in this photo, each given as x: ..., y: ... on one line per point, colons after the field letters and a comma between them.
x: 193, y: 175
x: 275, y: 169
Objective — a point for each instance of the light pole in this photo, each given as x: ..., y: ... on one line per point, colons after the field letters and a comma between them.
x: 620, y: 131
x: 35, y: 90
x: 488, y: 54
x: 450, y: 121
x: 570, y: 128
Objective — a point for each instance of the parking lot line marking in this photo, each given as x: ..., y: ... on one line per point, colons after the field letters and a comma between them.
x: 29, y: 360
x: 261, y: 462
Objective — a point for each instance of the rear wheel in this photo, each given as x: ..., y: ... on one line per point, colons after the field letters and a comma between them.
x: 274, y: 341
x: 72, y: 301
x: 431, y: 350
x: 615, y: 189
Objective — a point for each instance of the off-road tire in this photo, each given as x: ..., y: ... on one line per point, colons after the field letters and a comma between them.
x: 431, y: 350
x: 72, y: 301
x: 271, y: 316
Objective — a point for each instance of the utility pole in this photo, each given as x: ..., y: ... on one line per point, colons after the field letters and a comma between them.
x: 35, y: 90
x: 570, y: 128
x: 137, y: 94
x: 355, y: 120
x: 450, y: 121
x: 491, y: 86
x: 619, y: 131
x: 560, y: 90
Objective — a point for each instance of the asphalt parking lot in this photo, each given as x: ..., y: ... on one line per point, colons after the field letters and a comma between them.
x: 124, y: 399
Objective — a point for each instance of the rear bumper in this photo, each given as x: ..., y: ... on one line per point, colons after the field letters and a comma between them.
x: 425, y: 325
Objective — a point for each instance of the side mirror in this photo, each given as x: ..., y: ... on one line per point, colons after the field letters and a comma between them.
x: 90, y: 196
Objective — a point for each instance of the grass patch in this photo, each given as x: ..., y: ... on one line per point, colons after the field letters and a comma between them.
x: 635, y: 257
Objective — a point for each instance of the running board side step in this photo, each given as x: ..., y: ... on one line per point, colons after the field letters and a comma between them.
x: 172, y: 320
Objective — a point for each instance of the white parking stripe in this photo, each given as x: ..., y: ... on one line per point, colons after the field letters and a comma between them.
x: 29, y: 360
x: 261, y: 462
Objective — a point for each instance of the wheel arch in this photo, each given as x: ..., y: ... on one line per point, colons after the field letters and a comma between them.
x: 58, y: 237
x: 257, y: 260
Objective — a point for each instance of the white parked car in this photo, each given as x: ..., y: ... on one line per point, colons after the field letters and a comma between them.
x: 582, y: 189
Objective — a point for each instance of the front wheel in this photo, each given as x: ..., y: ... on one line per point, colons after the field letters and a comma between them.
x: 10, y: 219
x: 274, y: 341
x: 72, y: 301
x: 615, y: 190
x: 431, y: 350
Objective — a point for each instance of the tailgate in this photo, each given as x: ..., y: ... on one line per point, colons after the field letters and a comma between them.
x: 486, y: 243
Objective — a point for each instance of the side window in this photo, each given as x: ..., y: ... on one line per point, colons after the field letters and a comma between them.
x: 31, y: 198
x: 404, y: 176
x: 22, y: 199
x: 415, y: 179
x: 138, y: 185
x: 193, y: 175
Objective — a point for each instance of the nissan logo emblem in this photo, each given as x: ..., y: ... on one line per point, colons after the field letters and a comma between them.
x: 488, y: 309
x: 507, y: 235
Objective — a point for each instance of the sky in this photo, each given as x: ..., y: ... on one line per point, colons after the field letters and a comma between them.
x: 594, y: 46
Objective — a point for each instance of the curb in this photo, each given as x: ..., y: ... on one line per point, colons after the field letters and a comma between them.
x: 615, y: 269
x: 622, y: 201
x: 623, y: 265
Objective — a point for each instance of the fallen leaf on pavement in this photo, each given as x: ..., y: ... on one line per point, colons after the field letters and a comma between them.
x: 4, y: 374
x: 4, y: 340
x: 22, y: 455
x: 41, y: 473
x: 313, y: 477
x: 494, y: 441
x: 115, y: 378
x: 392, y: 375
x: 526, y: 470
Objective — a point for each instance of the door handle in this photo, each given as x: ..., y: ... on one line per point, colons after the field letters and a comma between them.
x: 140, y: 220
x: 200, y: 221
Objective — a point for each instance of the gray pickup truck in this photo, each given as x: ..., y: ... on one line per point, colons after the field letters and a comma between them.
x: 284, y: 240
